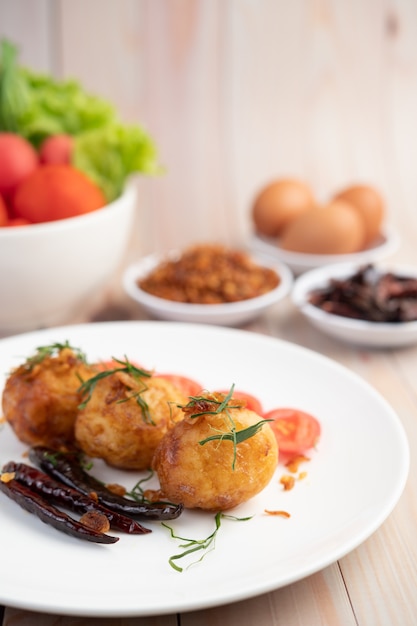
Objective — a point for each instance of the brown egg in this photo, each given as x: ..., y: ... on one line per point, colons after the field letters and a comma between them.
x: 335, y: 228
x: 370, y: 205
x: 279, y: 203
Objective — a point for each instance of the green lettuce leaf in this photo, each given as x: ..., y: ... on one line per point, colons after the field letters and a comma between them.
x: 60, y: 107
x: 37, y: 106
x: 110, y: 154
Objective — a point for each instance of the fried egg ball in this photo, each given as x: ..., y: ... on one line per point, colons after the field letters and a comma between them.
x: 126, y: 417
x: 216, y: 475
x: 41, y: 397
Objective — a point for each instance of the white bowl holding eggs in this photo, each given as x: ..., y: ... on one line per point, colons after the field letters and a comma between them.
x: 290, y: 225
x: 227, y: 314
x: 49, y: 270
x: 352, y: 331
x: 382, y: 248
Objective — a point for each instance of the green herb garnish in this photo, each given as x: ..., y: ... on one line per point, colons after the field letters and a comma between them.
x: 44, y: 352
x: 237, y: 436
x: 137, y: 373
x: 195, y: 545
x: 137, y: 492
x: 211, y: 405
x: 53, y: 458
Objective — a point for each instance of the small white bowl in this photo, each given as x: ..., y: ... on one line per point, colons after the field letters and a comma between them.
x: 228, y: 314
x: 299, y: 262
x: 49, y: 270
x: 359, y: 332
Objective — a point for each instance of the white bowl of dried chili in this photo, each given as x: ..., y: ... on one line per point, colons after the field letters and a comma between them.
x: 207, y: 284
x: 367, y: 305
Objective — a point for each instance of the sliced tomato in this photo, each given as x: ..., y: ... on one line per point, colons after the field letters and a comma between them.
x: 252, y: 403
x: 295, y: 430
x: 188, y: 386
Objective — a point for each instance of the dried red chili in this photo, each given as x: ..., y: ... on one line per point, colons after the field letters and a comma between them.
x: 66, y: 497
x: 49, y: 514
x: 66, y: 469
x: 369, y: 295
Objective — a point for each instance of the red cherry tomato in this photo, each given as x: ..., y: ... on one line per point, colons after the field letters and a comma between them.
x: 251, y: 402
x: 18, y: 159
x: 55, y: 192
x: 295, y: 430
x: 56, y: 149
x: 188, y: 386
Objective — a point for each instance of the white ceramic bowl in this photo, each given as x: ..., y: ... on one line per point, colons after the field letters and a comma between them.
x: 359, y: 332
x: 228, y: 314
x: 299, y: 262
x: 47, y: 271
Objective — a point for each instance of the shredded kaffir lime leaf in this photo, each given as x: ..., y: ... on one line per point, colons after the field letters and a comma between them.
x: 137, y: 492
x: 88, y: 386
x: 214, y: 404
x: 197, y: 545
x: 210, y: 404
x: 43, y: 352
x: 53, y: 457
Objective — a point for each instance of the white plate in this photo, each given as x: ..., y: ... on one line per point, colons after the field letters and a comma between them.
x: 360, y: 332
x: 228, y: 314
x: 348, y: 493
x: 298, y: 262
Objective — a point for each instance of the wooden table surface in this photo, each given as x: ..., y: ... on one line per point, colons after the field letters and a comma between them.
x: 373, y: 585
x: 237, y: 93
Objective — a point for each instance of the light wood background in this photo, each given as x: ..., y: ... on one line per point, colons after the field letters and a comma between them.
x: 237, y: 92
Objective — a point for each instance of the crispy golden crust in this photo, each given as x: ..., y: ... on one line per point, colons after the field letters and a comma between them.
x: 202, y: 476
x: 41, y: 402
x: 113, y: 426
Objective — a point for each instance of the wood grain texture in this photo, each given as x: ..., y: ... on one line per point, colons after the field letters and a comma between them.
x: 26, y: 618
x: 235, y: 94
x: 28, y: 25
x: 325, y: 601
x: 241, y: 92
